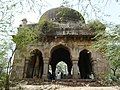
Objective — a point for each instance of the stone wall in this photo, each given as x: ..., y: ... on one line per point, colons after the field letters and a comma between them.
x: 74, y: 44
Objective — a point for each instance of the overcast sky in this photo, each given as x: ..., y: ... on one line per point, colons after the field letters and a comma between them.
x: 110, y: 11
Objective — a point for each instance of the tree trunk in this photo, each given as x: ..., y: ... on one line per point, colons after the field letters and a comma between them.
x: 8, y: 70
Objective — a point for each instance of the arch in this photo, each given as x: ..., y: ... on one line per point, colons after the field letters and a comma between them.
x: 35, y: 65
x: 60, y: 53
x: 58, y: 46
x: 85, y: 49
x: 32, y: 49
x: 85, y: 64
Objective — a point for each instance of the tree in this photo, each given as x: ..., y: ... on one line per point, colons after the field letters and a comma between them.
x: 114, y: 48
x: 8, y: 10
x: 108, y: 43
x: 3, y: 62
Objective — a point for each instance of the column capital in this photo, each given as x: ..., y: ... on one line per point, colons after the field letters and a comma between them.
x: 46, y: 62
x: 94, y: 61
x: 75, y: 61
x: 75, y: 58
x: 45, y: 59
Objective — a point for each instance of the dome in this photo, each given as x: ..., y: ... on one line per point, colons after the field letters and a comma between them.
x: 62, y: 14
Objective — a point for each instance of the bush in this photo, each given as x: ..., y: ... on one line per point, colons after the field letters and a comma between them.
x: 110, y: 79
x: 2, y: 79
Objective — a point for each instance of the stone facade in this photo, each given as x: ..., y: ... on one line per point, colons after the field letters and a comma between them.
x: 70, y: 44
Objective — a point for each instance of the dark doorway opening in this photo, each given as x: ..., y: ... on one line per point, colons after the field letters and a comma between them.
x: 35, y: 65
x: 59, y: 54
x: 85, y: 65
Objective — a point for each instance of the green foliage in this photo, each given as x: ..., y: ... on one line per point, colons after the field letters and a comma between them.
x: 65, y: 13
x: 3, y: 63
x: 100, y: 43
x: 110, y: 79
x: 114, y: 55
x: 3, y: 58
x: 96, y: 25
x: 108, y: 43
x: 2, y: 79
x: 114, y: 47
x: 62, y: 13
x: 4, y: 52
x: 47, y: 27
x: 26, y: 35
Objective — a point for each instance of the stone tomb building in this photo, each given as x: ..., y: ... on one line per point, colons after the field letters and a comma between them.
x: 69, y: 42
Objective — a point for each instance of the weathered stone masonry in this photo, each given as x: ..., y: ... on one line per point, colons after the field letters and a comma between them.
x: 70, y: 43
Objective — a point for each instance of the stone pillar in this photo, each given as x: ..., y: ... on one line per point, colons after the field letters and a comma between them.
x: 94, y: 68
x: 45, y: 70
x: 25, y: 67
x: 75, y: 69
x: 94, y: 64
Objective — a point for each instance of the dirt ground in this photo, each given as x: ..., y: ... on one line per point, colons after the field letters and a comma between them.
x: 61, y: 87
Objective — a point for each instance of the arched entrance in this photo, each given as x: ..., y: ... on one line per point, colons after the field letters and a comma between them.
x: 35, y: 65
x: 84, y: 64
x: 60, y: 53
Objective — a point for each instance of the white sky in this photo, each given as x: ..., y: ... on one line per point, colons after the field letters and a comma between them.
x: 112, y: 9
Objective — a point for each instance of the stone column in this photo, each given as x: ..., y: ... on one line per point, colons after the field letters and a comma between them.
x: 94, y: 64
x: 94, y: 68
x: 45, y: 70
x: 75, y: 69
x: 25, y: 67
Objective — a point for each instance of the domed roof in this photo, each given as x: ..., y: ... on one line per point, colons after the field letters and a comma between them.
x: 62, y: 14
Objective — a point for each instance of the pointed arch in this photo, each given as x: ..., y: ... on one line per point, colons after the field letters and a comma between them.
x: 60, y: 46
x: 35, y: 65
x: 60, y: 53
x: 85, y: 64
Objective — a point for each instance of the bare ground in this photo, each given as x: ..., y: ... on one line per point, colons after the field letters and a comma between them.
x: 62, y: 85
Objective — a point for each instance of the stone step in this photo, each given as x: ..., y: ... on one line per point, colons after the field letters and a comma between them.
x: 66, y: 82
